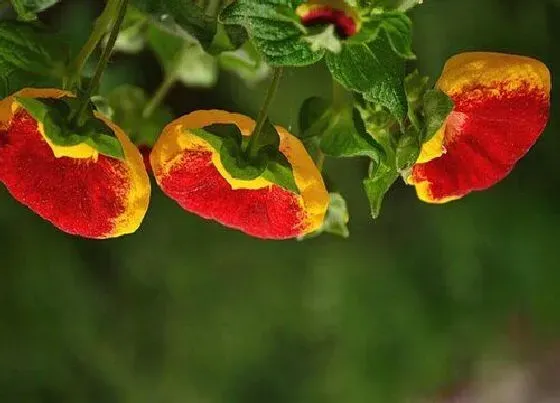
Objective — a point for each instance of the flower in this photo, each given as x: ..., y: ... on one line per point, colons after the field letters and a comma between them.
x: 501, y: 107
x: 190, y: 171
x: 324, y: 12
x: 78, y: 190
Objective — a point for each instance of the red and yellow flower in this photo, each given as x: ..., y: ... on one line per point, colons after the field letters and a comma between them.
x: 74, y: 187
x: 189, y: 170
x: 501, y: 108
x: 336, y: 12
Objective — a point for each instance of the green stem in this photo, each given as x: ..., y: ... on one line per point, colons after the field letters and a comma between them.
x: 340, y: 96
x: 263, y: 113
x: 102, y: 64
x: 159, y: 95
x: 168, y: 81
x: 212, y: 7
x: 101, y: 27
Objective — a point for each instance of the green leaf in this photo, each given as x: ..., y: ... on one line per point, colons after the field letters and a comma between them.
x: 132, y: 36
x: 180, y: 15
x: 29, y: 57
x: 377, y: 185
x: 55, y: 114
x: 102, y: 105
x: 234, y: 160
x: 183, y: 59
x: 397, y: 27
x: 269, y: 163
x: 437, y: 107
x: 236, y: 34
x: 408, y: 149
x: 215, y: 135
x: 325, y: 40
x: 27, y: 9
x: 127, y: 103
x: 228, y: 38
x: 278, y: 170
x: 416, y: 86
x: 314, y: 117
x: 275, y: 30
x: 373, y: 70
x: 339, y: 129
x: 336, y: 219
x: 246, y: 62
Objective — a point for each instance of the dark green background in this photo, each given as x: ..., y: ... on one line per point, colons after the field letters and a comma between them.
x: 187, y: 311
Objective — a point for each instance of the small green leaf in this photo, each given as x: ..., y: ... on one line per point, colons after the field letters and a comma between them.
x: 215, y: 135
x: 29, y: 57
x: 416, y: 86
x: 180, y: 15
x: 325, y: 40
x: 183, y: 59
x: 55, y: 114
x: 397, y: 27
x: 408, y: 149
x: 278, y: 170
x: 437, y: 107
x: 132, y: 36
x: 246, y: 62
x: 27, y: 10
x: 373, y: 70
x: 377, y: 185
x: 275, y: 30
x: 399, y: 32
x: 234, y: 161
x: 102, y: 105
x: 236, y: 34
x: 314, y: 117
x: 336, y: 219
x: 269, y: 163
x: 339, y: 130
x: 228, y: 38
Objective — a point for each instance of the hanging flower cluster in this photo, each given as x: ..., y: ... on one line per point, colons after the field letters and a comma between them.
x: 78, y: 168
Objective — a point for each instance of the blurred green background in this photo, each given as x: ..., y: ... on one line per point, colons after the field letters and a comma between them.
x: 187, y: 311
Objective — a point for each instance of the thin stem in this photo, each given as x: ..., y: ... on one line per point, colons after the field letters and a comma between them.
x: 101, y: 27
x: 213, y: 7
x: 102, y: 64
x: 169, y: 79
x: 340, y: 95
x: 159, y: 95
x: 263, y: 113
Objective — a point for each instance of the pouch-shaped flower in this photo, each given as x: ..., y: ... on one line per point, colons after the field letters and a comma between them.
x: 191, y: 171
x: 335, y: 12
x: 75, y: 187
x: 501, y: 108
